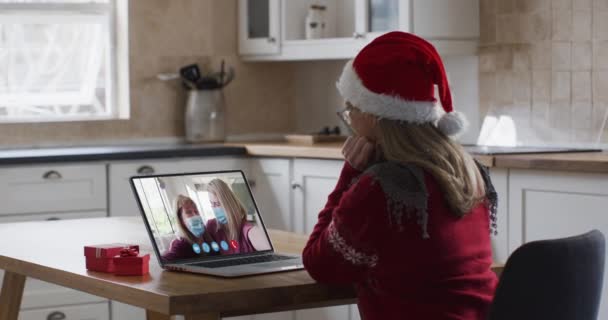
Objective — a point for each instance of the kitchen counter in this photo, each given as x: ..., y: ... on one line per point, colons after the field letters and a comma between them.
x: 319, y: 151
x: 100, y: 153
x: 579, y: 162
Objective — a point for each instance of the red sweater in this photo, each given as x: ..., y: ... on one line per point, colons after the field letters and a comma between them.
x: 398, y: 272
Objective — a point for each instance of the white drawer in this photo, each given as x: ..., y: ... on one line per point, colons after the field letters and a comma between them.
x: 97, y: 311
x: 38, y: 294
x: 52, y: 188
x: 122, y: 200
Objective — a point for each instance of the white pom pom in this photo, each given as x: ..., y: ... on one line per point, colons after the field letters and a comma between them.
x: 453, y: 123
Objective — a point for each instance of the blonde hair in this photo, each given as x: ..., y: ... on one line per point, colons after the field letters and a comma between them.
x: 235, y: 212
x: 445, y: 159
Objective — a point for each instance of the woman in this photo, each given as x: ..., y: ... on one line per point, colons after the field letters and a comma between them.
x: 193, y: 241
x: 412, y: 232
x: 230, y: 226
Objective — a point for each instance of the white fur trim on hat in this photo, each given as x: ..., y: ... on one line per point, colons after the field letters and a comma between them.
x: 384, y: 106
x: 453, y: 123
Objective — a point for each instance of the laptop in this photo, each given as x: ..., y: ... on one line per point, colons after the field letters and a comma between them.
x: 207, y: 223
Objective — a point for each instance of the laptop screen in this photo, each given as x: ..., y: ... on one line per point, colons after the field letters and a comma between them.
x: 203, y: 215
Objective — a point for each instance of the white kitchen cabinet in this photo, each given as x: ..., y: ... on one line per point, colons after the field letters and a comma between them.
x: 500, y: 245
x: 97, y: 311
x: 313, y: 181
x: 121, y: 198
x: 259, y: 32
x: 271, y: 183
x: 53, y: 188
x: 552, y: 204
x: 39, y: 294
x: 451, y: 25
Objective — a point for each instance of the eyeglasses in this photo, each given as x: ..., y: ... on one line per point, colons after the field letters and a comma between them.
x: 344, y: 115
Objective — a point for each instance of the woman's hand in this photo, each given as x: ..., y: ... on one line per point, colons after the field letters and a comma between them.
x: 359, y: 152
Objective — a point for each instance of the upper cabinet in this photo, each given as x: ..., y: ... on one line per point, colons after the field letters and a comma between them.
x: 259, y: 30
x: 338, y: 29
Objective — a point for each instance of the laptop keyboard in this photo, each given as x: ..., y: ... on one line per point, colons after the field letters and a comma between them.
x: 241, y: 261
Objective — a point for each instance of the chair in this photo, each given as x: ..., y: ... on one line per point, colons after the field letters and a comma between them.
x: 557, y: 279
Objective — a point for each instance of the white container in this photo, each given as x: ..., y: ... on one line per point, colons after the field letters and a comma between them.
x: 315, y: 22
x: 205, y: 116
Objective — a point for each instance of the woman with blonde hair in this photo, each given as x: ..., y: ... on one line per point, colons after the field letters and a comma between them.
x: 192, y: 240
x: 409, y: 221
x: 230, y: 226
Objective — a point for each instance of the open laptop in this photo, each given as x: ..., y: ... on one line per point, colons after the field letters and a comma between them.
x: 216, y: 243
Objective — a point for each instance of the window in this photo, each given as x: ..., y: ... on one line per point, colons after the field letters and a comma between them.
x: 63, y: 60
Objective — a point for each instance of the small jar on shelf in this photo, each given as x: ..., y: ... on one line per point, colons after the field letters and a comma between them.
x: 315, y: 22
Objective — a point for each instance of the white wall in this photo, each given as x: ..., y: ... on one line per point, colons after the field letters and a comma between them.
x: 317, y: 98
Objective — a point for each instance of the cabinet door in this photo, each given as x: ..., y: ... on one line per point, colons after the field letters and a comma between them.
x: 313, y: 181
x: 259, y: 26
x: 98, y: 311
x: 122, y: 200
x: 271, y: 187
x: 550, y: 204
x: 39, y: 294
x: 377, y: 17
x: 53, y: 188
x: 500, y: 245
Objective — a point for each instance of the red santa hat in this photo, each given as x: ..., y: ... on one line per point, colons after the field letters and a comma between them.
x: 394, y: 77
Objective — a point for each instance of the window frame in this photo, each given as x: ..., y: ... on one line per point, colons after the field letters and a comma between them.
x: 117, y: 52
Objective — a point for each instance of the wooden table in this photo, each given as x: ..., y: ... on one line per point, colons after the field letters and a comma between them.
x: 52, y: 251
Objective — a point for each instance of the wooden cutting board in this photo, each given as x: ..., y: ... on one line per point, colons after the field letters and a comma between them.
x: 310, y: 139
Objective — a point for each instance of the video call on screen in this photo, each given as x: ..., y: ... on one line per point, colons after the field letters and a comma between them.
x: 195, y: 216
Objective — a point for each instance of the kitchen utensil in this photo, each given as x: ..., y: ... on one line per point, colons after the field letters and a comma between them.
x: 190, y: 72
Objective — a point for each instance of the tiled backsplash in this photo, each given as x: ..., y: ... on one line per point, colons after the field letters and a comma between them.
x: 546, y: 63
x: 164, y: 35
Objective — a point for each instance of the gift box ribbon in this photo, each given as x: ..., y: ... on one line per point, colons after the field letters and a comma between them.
x: 129, y: 252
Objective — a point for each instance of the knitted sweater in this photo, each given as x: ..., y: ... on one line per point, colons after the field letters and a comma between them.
x: 389, y: 232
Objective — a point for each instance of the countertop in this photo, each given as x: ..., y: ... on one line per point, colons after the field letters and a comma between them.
x: 126, y: 152
x: 578, y: 162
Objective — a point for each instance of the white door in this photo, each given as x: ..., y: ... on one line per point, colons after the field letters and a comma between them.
x: 259, y: 27
x: 500, y: 245
x: 313, y: 181
x: 553, y: 204
x: 270, y: 184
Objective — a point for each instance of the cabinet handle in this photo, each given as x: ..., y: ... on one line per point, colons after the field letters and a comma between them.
x: 295, y: 185
x: 145, y: 170
x: 358, y: 35
x: 272, y: 39
x: 56, y: 315
x: 53, y: 219
x: 51, y: 175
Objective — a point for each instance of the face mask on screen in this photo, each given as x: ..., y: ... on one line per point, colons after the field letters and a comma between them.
x: 195, y: 225
x: 220, y: 215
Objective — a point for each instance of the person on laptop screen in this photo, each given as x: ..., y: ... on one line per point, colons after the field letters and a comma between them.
x: 191, y: 232
x: 230, y: 224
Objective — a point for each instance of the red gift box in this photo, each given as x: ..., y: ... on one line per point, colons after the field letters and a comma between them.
x: 100, y: 257
x: 129, y: 263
